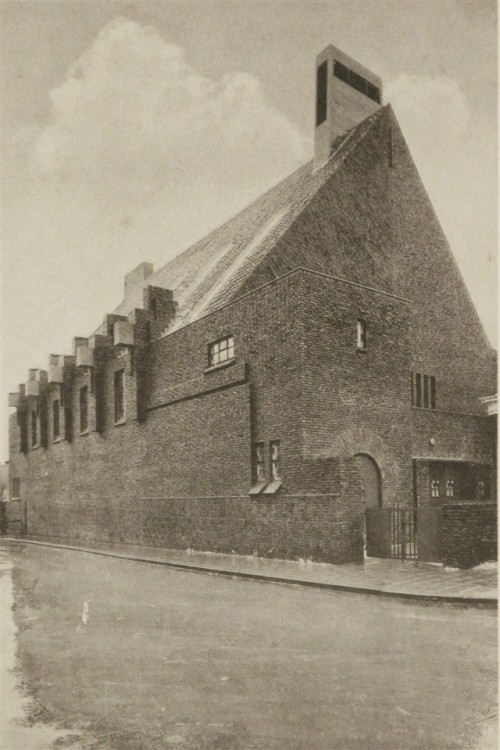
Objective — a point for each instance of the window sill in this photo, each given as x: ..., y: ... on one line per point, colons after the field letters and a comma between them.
x: 57, y: 440
x: 120, y: 422
x: 272, y: 487
x: 220, y: 365
x: 257, y: 488
x: 84, y: 432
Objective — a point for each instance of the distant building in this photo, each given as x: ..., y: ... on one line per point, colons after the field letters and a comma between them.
x: 4, y: 482
x: 316, y: 354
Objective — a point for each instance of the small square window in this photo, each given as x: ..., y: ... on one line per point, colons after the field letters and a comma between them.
x: 361, y: 339
x: 221, y: 351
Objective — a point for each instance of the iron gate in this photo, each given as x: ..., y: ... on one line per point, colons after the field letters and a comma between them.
x: 391, y: 532
x: 404, y: 533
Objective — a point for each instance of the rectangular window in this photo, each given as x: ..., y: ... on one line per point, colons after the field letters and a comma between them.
x: 221, y: 351
x: 34, y: 435
x: 260, y: 468
x: 84, y: 409
x: 56, y: 420
x: 426, y: 392
x: 435, y: 488
x: 321, y: 92
x: 16, y: 487
x: 373, y: 92
x: 361, y: 334
x: 119, y: 386
x: 433, y: 391
x: 357, y: 82
x: 450, y: 488
x: 340, y: 71
x: 275, y: 459
x: 418, y: 389
x: 24, y: 430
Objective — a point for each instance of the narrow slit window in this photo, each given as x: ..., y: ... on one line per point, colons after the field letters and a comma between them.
x: 426, y: 392
x: 275, y: 459
x: 24, y: 432
x: 418, y: 389
x: 433, y: 391
x: 356, y: 81
x: 321, y: 92
x: 361, y: 337
x: 56, y: 420
x: 34, y: 432
x: 16, y: 487
x: 119, y: 392
x: 340, y: 71
x: 84, y: 409
x: 260, y: 469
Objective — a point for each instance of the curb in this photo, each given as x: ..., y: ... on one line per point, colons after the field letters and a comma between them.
x: 483, y: 602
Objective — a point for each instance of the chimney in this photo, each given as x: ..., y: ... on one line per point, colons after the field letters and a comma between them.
x: 137, y: 276
x: 346, y: 94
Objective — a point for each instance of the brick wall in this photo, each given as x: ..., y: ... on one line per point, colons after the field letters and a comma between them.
x: 357, y: 401
x: 181, y: 476
x: 326, y: 528
x: 372, y: 223
x: 469, y: 533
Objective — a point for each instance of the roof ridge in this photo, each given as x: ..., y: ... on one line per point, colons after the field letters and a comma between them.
x: 211, y: 270
x: 343, y: 141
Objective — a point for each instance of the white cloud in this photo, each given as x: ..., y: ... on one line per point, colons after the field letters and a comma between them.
x: 132, y: 117
x: 141, y: 156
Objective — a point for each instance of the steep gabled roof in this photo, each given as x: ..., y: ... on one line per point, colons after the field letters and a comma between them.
x: 209, y: 273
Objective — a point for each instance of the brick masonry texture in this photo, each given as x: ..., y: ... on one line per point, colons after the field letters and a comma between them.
x: 177, y: 470
x: 181, y: 477
x: 469, y: 534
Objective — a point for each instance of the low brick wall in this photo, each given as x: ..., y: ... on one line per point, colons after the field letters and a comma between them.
x: 327, y: 528
x: 469, y: 533
x: 13, y: 517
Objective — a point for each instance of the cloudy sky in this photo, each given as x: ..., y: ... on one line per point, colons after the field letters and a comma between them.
x: 130, y: 129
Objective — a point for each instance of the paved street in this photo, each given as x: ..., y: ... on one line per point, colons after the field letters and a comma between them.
x: 119, y: 655
x: 389, y: 577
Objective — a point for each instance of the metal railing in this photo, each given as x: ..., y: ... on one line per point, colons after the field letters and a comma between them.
x: 404, y: 533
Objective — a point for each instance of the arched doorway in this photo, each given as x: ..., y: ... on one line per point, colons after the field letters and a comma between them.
x: 371, y: 488
x: 370, y: 477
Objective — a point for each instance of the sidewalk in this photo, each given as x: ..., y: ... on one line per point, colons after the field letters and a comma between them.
x: 410, y: 579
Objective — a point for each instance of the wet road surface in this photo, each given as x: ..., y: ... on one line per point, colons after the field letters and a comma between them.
x: 118, y: 655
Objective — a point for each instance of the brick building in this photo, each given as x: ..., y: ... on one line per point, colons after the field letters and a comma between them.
x: 316, y: 354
